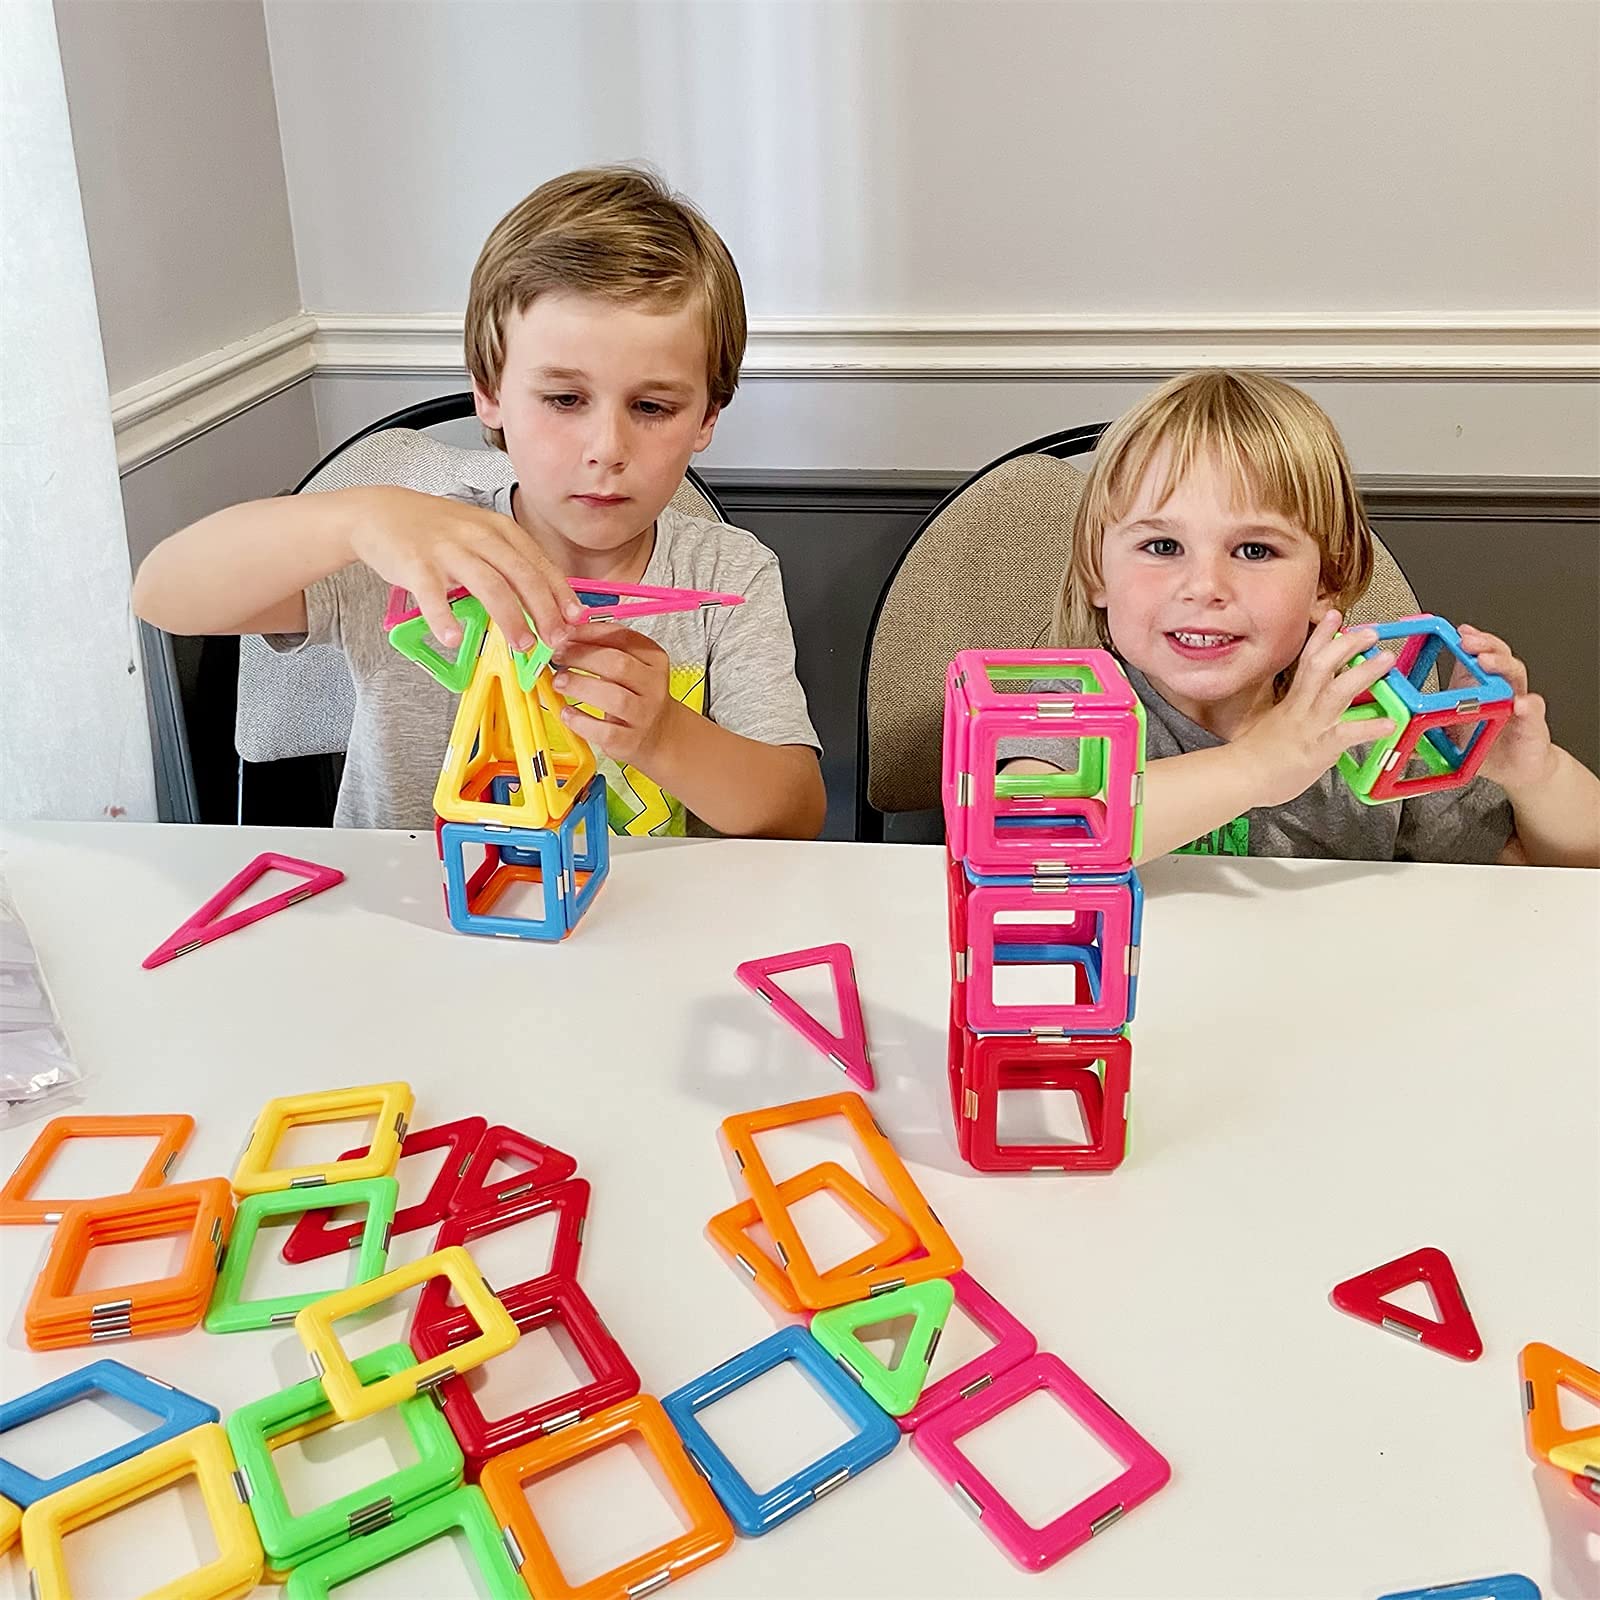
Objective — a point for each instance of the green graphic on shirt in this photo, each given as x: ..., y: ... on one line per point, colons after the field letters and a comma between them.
x: 634, y: 803
x: 1231, y: 839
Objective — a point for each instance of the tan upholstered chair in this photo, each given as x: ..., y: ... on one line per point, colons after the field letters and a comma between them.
x: 982, y: 571
x: 302, y: 705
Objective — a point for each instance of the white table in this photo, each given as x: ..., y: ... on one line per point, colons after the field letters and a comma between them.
x: 1333, y: 1065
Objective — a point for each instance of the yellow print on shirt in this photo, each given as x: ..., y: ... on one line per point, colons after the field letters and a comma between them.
x: 637, y: 805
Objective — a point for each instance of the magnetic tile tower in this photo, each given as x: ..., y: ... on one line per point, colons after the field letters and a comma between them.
x: 1045, y: 906
x: 517, y: 789
x: 1441, y: 735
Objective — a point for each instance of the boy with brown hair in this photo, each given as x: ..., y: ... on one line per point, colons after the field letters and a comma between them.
x: 604, y: 331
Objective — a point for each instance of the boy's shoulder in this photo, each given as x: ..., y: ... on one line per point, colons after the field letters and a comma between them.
x: 694, y: 552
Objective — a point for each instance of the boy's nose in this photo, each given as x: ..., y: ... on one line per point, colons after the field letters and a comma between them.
x: 606, y: 449
x: 1205, y: 579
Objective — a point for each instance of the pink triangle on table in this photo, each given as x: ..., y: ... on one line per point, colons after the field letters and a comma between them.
x: 207, y: 924
x: 848, y: 1051
x: 620, y: 602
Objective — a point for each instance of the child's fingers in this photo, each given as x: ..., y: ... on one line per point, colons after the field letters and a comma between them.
x: 614, y: 701
x: 1477, y: 640
x: 1494, y: 655
x: 1529, y: 709
x: 604, y: 736
x: 432, y: 596
x: 1365, y: 731
x: 1327, y: 651
x: 545, y: 597
x: 604, y: 662
x: 1320, y: 637
x: 1506, y: 666
x: 1355, y: 681
x: 499, y: 600
x: 612, y: 636
x: 605, y: 632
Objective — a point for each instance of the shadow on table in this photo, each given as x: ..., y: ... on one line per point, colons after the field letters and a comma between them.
x: 1172, y: 876
x: 18, y: 1239
x: 395, y: 890
x: 388, y: 892
x: 1573, y: 1523
x: 740, y: 1058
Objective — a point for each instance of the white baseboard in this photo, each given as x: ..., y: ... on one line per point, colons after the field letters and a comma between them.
x: 153, y: 417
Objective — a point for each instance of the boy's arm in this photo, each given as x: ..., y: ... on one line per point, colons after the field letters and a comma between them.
x: 737, y: 785
x: 246, y: 569
x: 732, y: 783
x: 1278, y: 757
x: 1557, y: 818
x: 1185, y: 796
x: 1555, y: 799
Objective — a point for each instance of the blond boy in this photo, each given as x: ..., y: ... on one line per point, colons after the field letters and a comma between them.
x: 1220, y: 539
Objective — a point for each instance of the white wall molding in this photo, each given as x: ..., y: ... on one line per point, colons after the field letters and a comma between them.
x: 163, y: 412
x: 1496, y: 345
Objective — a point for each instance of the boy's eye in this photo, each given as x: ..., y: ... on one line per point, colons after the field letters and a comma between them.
x: 654, y: 410
x: 1254, y: 551
x: 563, y: 402
x: 1160, y: 546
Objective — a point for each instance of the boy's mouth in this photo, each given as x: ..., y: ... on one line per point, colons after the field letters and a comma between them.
x: 600, y: 499
x: 1195, y: 645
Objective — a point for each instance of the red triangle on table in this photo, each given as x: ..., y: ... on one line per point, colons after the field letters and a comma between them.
x: 1453, y: 1334
x: 208, y: 924
x: 545, y: 1165
x: 847, y: 1052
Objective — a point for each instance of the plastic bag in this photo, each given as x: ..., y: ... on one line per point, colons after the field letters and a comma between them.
x: 37, y: 1072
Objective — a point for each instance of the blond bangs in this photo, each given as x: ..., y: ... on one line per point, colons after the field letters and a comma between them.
x: 1275, y: 445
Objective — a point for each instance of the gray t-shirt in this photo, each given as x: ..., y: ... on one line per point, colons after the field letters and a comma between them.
x: 1469, y: 825
x: 733, y: 664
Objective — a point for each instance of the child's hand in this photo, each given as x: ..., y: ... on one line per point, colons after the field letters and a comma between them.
x: 1303, y: 735
x: 1522, y: 755
x: 625, y: 676
x: 430, y: 545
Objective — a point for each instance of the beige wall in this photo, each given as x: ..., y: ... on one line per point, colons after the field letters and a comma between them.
x: 175, y: 132
x: 904, y: 157
x: 260, y: 452
x: 899, y: 163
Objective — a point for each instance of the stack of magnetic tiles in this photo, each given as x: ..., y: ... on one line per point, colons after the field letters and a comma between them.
x: 1440, y: 735
x: 458, y: 1324
x: 515, y: 783
x: 1041, y: 884
x: 911, y: 1272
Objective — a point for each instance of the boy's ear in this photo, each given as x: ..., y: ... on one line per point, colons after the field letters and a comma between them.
x: 707, y: 428
x: 486, y: 405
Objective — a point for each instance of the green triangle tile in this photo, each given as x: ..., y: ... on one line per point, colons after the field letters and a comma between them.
x: 894, y: 1388
x: 411, y: 640
x: 530, y: 663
